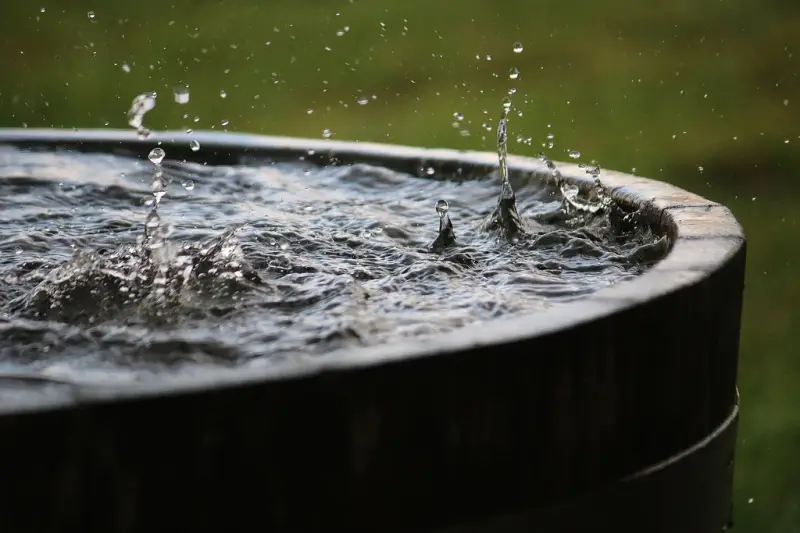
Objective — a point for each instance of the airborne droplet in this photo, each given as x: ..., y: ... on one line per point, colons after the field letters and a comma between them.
x: 574, y: 154
x: 442, y: 207
x: 139, y: 108
x: 517, y: 48
x: 513, y: 73
x: 181, y: 94
x: 194, y: 145
x: 156, y: 155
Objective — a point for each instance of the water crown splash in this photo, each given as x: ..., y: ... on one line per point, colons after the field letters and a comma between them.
x: 598, y: 200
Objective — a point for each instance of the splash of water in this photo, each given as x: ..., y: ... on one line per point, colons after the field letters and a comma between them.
x: 159, y: 183
x: 598, y: 200
x: 446, y: 236
x: 162, y: 282
x: 156, y: 235
x: 169, y: 266
x: 505, y: 216
x: 140, y: 106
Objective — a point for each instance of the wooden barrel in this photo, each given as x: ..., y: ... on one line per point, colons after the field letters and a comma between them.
x: 616, y: 412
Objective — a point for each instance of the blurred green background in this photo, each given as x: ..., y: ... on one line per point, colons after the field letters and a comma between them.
x: 701, y: 93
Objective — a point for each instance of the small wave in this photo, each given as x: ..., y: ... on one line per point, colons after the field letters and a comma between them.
x: 257, y: 262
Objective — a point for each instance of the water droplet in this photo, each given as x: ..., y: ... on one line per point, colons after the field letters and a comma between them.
x: 194, y: 145
x: 326, y: 133
x: 750, y: 500
x: 90, y: 14
x: 362, y: 100
x: 458, y: 116
x: 223, y: 94
x: 153, y: 220
x: 442, y: 207
x: 506, y: 103
x: 126, y: 68
x: 188, y: 185
x: 225, y: 122
x: 181, y: 94
x: 156, y: 155
x: 574, y: 154
x: 158, y: 186
x: 44, y: 9
x: 570, y: 192
x: 140, y: 106
x: 513, y: 73
x: 517, y: 48
x: 700, y: 169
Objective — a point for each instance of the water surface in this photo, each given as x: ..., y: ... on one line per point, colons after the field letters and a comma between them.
x: 253, y: 264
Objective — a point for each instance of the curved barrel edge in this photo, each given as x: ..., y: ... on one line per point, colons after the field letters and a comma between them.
x: 687, y: 493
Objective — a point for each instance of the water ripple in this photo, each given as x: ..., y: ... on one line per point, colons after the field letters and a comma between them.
x: 269, y: 261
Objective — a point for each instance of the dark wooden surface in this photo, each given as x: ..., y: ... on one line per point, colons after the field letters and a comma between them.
x: 526, y: 413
